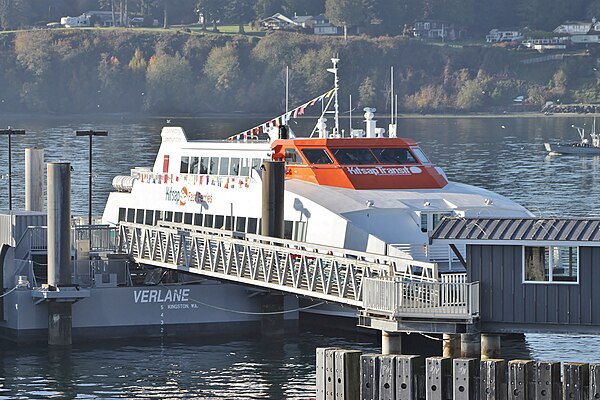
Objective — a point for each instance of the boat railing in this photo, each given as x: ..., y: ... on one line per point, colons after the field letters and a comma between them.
x: 399, y: 298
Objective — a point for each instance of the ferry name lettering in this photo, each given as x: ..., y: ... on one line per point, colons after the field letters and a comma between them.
x: 378, y: 171
x: 160, y: 295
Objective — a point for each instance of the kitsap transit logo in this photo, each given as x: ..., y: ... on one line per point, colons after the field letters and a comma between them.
x: 182, y: 196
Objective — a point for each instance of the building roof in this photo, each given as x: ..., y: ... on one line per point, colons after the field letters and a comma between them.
x: 519, y: 229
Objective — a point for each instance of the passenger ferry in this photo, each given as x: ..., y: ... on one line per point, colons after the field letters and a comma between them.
x: 366, y: 192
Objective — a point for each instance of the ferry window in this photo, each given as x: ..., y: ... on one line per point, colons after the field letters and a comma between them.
x: 256, y: 162
x: 317, y: 156
x: 437, y: 218
x: 194, y: 165
x: 219, y: 222
x: 228, y: 223
x: 212, y: 165
x: 139, y: 216
x: 240, y: 224
x: 394, y: 156
x: 234, y: 168
x: 208, y: 220
x: 169, y: 216
x: 158, y: 216
x: 130, y: 214
x: 423, y: 222
x: 252, y: 225
x: 178, y: 217
x: 203, y: 169
x: 198, y: 219
x: 149, y: 217
x: 550, y: 264
x: 354, y: 156
x: 224, y: 166
x: 420, y: 155
x: 185, y: 164
x: 292, y: 157
x: 122, y: 214
x: 187, y: 218
x: 245, y: 167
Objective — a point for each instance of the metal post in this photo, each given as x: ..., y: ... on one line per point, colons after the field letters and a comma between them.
x: 34, y: 179
x: 59, y: 251
x: 90, y: 133
x: 10, y: 132
x: 273, y: 189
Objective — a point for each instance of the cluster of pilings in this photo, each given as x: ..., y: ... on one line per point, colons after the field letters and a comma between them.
x: 350, y: 374
x: 474, y: 345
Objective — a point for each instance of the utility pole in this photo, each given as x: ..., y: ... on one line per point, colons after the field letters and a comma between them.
x: 10, y: 132
x: 90, y: 133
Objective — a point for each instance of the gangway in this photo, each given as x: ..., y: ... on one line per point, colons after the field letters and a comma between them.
x: 306, y: 269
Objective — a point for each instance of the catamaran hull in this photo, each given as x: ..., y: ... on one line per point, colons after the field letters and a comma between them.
x: 144, y: 311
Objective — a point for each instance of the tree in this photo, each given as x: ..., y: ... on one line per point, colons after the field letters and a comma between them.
x: 304, y: 7
x: 222, y: 68
x: 15, y: 13
x: 168, y: 86
x: 212, y: 11
x: 345, y: 12
x: 266, y: 8
x: 366, y: 92
x: 239, y: 12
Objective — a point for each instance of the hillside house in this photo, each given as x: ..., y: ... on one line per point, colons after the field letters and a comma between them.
x: 278, y: 21
x: 578, y: 28
x: 436, y: 29
x: 322, y: 26
x: 504, y: 35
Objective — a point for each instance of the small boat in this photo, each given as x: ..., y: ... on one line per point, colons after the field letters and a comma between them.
x: 584, y: 146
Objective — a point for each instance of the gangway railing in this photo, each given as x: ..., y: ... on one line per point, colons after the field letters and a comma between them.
x: 397, y: 298
x: 322, y: 272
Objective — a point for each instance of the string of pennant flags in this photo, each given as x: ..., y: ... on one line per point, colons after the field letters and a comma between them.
x: 283, y: 119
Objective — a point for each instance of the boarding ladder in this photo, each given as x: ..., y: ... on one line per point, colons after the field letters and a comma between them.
x: 320, y: 272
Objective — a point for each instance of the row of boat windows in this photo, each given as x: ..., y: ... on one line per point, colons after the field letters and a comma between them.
x: 233, y: 166
x: 355, y: 156
x: 293, y: 230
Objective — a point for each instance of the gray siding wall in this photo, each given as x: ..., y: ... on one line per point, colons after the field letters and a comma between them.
x: 506, y: 299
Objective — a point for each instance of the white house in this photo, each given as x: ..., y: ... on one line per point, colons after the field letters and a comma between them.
x: 278, y: 21
x: 504, y: 35
x: 578, y: 28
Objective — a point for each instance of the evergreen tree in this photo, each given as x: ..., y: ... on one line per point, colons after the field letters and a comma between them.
x: 239, y: 12
x: 347, y: 13
x: 266, y: 8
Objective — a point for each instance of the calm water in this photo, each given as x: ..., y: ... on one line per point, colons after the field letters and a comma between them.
x: 503, y: 154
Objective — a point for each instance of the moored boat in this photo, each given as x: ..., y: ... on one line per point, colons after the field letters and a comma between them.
x: 365, y: 192
x: 583, y: 147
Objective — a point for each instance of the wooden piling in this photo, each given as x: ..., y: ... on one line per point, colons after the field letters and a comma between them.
x: 520, y: 379
x: 437, y: 372
x: 575, y: 380
x: 547, y: 380
x: 492, y: 384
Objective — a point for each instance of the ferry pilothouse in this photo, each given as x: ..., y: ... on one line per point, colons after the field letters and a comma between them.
x: 366, y: 192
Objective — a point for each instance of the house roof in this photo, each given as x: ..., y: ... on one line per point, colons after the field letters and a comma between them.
x: 279, y: 17
x: 485, y: 230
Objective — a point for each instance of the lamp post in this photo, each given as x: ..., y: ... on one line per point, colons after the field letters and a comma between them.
x: 90, y: 133
x: 10, y: 132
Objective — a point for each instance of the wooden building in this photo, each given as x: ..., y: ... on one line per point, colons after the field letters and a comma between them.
x: 535, y: 275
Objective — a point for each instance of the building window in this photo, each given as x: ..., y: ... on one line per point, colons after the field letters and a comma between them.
x: 550, y: 264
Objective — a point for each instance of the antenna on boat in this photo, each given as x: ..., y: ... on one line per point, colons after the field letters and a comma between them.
x: 336, y: 82
x: 393, y: 104
x: 287, y: 89
x: 350, y: 111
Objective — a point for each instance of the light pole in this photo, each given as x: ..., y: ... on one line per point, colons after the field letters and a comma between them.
x: 90, y: 133
x: 10, y: 132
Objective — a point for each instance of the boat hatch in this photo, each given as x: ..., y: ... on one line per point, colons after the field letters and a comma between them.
x: 359, y: 163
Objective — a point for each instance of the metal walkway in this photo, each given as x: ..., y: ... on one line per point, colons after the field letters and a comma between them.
x: 320, y: 272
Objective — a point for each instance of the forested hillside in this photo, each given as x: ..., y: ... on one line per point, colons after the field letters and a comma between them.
x: 168, y: 72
